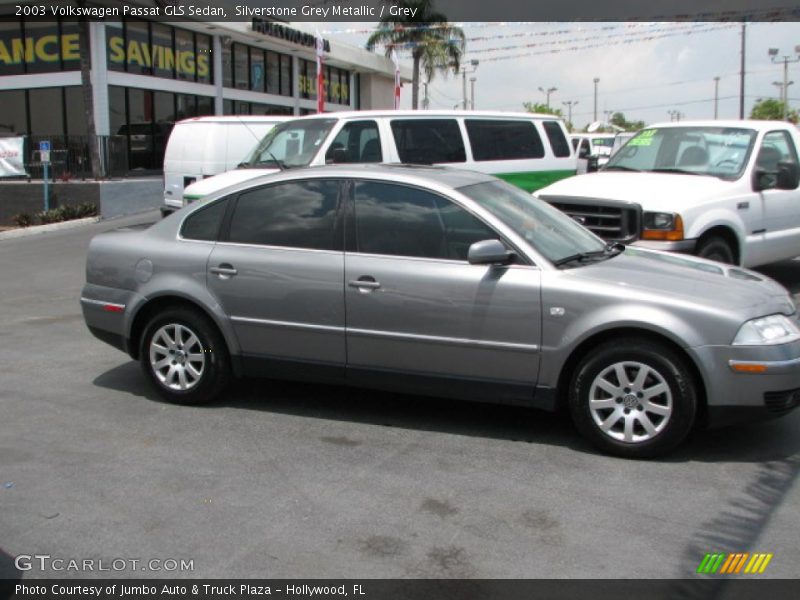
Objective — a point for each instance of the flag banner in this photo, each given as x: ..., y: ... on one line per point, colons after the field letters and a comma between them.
x: 396, y: 62
x: 320, y: 43
x: 11, y: 153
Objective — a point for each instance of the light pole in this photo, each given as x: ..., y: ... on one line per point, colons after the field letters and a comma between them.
x: 596, y: 81
x: 773, y: 54
x: 784, y: 92
x: 569, y: 104
x: 716, y: 96
x: 674, y: 115
x: 472, y: 81
x: 547, y: 93
x: 474, y: 62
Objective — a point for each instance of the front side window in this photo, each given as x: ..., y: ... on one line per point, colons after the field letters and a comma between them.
x: 398, y: 220
x: 555, y: 235
x: 291, y: 144
x: 720, y: 152
x: 503, y: 140
x: 776, y: 147
x: 298, y: 214
x: 357, y: 142
x: 428, y: 141
x: 204, y: 224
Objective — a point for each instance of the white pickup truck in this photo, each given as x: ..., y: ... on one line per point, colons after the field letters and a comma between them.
x: 723, y: 190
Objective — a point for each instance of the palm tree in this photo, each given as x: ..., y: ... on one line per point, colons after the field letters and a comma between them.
x: 436, y: 48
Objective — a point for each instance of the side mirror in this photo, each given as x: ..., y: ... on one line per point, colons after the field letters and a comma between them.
x: 788, y: 175
x: 490, y: 252
x: 337, y: 155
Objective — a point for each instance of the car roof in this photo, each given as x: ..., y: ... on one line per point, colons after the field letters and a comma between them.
x: 236, y: 119
x: 401, y: 173
x: 733, y: 123
x: 498, y: 114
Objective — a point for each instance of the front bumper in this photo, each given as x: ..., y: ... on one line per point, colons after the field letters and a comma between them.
x: 683, y: 246
x: 747, y: 383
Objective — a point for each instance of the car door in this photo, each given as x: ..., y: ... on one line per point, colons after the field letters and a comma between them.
x: 419, y: 316
x: 278, y: 273
x: 777, y: 235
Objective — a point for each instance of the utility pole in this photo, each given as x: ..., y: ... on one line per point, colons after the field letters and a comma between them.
x: 716, y: 96
x: 472, y: 81
x: 464, y: 73
x: 596, y: 81
x: 569, y: 104
x: 773, y: 54
x: 741, y: 73
x: 547, y: 93
x: 425, y: 101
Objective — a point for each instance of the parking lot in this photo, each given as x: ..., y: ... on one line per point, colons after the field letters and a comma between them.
x: 289, y: 480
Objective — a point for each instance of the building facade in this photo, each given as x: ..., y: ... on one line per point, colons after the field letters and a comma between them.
x: 146, y: 75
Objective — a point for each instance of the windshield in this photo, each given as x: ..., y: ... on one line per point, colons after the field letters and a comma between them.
x: 716, y: 151
x: 291, y: 144
x: 552, y: 233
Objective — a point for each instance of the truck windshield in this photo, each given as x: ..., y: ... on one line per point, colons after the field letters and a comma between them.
x: 720, y: 152
x: 552, y: 233
x: 290, y: 144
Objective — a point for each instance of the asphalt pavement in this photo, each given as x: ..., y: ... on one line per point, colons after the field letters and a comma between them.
x: 307, y: 481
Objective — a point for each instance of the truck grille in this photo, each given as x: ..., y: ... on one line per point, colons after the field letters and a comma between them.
x: 613, y: 222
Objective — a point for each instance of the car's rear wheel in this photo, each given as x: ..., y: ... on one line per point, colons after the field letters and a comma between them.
x: 633, y: 398
x: 716, y: 248
x: 184, y: 356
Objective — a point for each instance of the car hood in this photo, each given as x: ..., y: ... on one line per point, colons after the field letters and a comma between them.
x: 676, y: 278
x: 204, y: 187
x: 661, y: 191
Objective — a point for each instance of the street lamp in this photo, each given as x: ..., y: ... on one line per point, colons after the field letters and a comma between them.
x: 596, y: 81
x: 547, y: 93
x: 474, y: 62
x: 773, y: 54
x: 569, y: 104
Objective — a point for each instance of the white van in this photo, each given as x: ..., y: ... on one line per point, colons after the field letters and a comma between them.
x: 526, y: 149
x: 204, y: 146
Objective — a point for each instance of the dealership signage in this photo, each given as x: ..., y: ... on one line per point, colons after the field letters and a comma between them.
x: 50, y: 48
x: 283, y: 32
x: 11, y: 152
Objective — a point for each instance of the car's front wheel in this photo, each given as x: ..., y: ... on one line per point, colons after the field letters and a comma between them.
x: 185, y: 357
x: 633, y: 398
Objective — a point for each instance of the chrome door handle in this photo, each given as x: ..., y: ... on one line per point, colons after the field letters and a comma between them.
x: 224, y: 271
x: 369, y: 284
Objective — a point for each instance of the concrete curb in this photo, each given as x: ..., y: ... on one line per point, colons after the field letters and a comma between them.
x: 26, y: 231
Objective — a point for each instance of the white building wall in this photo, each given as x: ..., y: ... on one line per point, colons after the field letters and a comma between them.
x: 377, y: 91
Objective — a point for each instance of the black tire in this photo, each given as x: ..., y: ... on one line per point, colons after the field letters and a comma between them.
x: 204, y: 378
x: 716, y: 248
x: 597, y: 375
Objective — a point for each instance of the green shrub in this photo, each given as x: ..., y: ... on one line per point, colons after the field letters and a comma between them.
x: 22, y: 220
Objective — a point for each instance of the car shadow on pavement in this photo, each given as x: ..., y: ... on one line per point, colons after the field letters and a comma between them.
x: 759, y: 442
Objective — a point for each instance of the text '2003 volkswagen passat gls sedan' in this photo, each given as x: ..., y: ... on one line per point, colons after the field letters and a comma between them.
x: 442, y: 282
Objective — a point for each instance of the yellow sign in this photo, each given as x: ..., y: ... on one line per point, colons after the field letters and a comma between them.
x: 47, y: 48
x: 308, y: 85
x: 143, y: 54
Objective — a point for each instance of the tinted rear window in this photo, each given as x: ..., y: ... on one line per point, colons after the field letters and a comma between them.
x: 428, y: 141
x: 503, y: 140
x: 558, y: 141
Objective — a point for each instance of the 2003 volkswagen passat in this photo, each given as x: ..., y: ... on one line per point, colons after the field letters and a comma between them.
x: 442, y: 282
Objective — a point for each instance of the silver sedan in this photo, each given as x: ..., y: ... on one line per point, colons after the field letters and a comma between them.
x: 442, y: 282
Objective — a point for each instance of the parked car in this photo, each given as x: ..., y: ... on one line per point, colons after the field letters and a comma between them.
x: 592, y: 149
x: 526, y: 149
x: 723, y: 190
x: 202, y: 147
x: 443, y: 282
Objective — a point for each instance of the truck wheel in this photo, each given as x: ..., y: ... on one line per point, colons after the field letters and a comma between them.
x: 185, y: 356
x: 633, y: 398
x: 716, y: 248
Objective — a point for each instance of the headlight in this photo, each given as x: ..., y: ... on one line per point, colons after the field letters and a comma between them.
x: 771, y: 330
x: 662, y: 226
